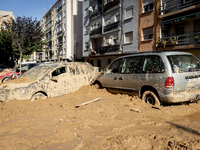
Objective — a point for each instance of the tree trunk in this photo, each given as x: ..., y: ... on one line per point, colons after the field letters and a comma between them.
x: 20, y: 63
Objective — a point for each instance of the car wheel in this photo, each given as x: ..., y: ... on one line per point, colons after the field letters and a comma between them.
x: 6, y: 79
x: 38, y: 96
x: 151, y: 98
x: 97, y: 85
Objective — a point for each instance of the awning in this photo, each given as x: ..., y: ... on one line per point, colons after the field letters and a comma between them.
x: 181, y: 17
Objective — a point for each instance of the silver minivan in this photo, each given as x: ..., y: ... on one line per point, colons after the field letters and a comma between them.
x: 157, y: 77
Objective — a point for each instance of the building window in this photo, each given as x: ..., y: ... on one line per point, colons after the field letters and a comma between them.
x: 64, y: 51
x: 108, y: 61
x: 129, y: 12
x: 87, y: 29
x: 4, y: 27
x: 86, y: 12
x: 92, y: 62
x: 98, y: 63
x: 117, y: 17
x: 179, y: 29
x: 128, y: 37
x: 108, y: 40
x: 115, y: 39
x: 148, y: 33
x: 147, y: 5
x: 86, y: 46
x: 197, y: 25
x: 3, y: 18
x: 64, y: 13
x: 107, y: 22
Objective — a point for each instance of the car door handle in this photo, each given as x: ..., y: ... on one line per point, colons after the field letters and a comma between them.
x: 115, y: 78
x: 121, y: 78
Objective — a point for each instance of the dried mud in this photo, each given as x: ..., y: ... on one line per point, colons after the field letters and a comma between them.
x: 106, y: 124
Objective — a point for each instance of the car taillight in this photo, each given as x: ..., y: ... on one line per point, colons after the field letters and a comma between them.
x: 169, y: 82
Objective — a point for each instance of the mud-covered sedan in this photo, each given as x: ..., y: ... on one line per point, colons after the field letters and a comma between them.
x: 48, y: 80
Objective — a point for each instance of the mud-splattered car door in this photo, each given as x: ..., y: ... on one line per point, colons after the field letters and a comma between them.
x: 58, y: 82
x: 110, y: 78
x: 129, y: 78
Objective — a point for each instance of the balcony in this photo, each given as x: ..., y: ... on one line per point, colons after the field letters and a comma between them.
x: 94, y: 14
x: 60, y: 33
x: 111, y: 4
x: 48, y: 19
x: 189, y: 38
x: 58, y: 21
x: 110, y: 48
x: 60, y: 43
x: 105, y: 49
x: 111, y: 27
x: 49, y: 39
x: 194, y: 13
x: 49, y: 48
x: 96, y: 31
x: 60, y: 8
x: 175, y: 5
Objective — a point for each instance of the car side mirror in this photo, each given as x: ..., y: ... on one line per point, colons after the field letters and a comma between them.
x: 54, y: 79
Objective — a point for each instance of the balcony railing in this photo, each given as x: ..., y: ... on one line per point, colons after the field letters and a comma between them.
x: 48, y: 19
x: 59, y: 8
x: 59, y: 33
x: 105, y: 49
x: 111, y: 27
x: 94, y: 14
x: 49, y: 48
x: 96, y: 31
x: 60, y: 43
x: 58, y: 21
x: 174, y: 5
x: 111, y: 5
x: 183, y: 39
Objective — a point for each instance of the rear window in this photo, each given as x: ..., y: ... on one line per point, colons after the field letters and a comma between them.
x: 184, y: 63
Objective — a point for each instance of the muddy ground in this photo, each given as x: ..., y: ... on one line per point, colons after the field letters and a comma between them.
x: 107, y: 124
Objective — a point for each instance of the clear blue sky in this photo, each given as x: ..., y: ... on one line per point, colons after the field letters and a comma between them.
x: 27, y: 8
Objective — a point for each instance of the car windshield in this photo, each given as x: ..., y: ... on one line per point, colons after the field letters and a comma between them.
x: 184, y: 63
x: 38, y: 72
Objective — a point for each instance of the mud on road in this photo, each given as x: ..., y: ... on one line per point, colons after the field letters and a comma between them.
x: 106, y: 124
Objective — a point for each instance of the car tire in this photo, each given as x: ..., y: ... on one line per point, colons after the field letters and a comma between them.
x: 7, y: 79
x: 97, y: 85
x: 38, y: 96
x: 151, y: 98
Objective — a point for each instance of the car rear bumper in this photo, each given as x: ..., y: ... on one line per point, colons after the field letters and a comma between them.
x: 180, y: 97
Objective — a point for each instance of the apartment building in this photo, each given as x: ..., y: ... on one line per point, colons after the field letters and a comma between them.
x: 5, y: 16
x: 148, y: 24
x: 180, y: 26
x: 62, y: 25
x: 109, y: 30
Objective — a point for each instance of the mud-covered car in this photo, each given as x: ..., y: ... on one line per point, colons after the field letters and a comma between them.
x: 48, y: 81
x: 156, y: 77
x: 15, y: 72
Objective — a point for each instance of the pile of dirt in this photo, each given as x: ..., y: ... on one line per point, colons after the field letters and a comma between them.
x: 5, y: 71
x: 108, y: 123
x: 19, y: 81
